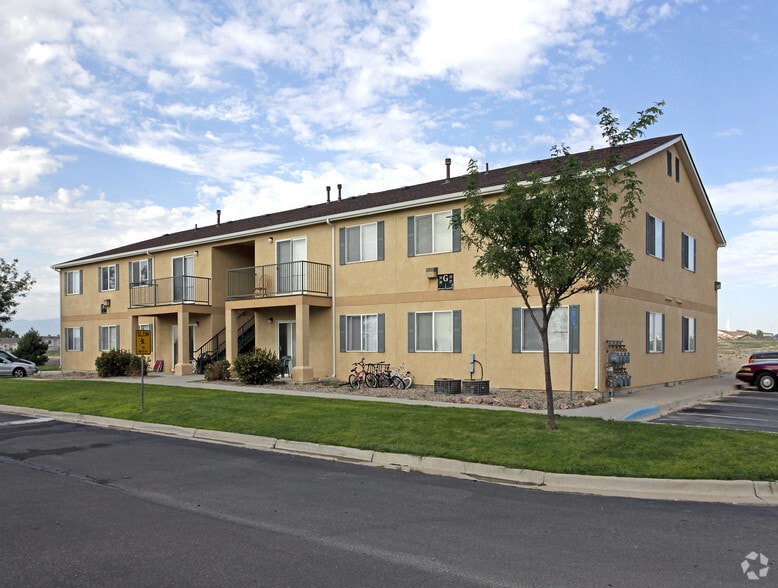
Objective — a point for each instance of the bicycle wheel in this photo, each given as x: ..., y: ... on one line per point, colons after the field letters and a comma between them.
x: 353, y: 381
x: 371, y: 380
x: 408, y: 381
x: 398, y: 383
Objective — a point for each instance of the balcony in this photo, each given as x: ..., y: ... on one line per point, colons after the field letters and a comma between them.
x: 279, y: 279
x: 167, y: 291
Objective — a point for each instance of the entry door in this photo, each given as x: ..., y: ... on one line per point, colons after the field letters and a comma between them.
x: 291, y: 255
x: 286, y: 341
x: 183, y: 278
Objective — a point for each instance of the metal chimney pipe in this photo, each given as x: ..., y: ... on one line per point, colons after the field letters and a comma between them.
x: 328, y: 193
x: 448, y: 168
x: 218, y: 217
x: 340, y: 187
x: 487, y: 167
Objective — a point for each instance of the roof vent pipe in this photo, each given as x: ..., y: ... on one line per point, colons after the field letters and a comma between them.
x: 487, y: 167
x: 218, y: 217
x: 448, y: 168
x: 328, y: 193
x: 340, y: 187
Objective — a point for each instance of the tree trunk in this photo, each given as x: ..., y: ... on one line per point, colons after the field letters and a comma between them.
x: 551, y: 423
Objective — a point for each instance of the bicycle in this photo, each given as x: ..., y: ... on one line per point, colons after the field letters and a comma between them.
x: 358, y: 376
x: 384, y: 377
x: 402, y: 380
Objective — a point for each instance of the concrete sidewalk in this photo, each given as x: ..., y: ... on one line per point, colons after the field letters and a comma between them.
x: 643, y: 404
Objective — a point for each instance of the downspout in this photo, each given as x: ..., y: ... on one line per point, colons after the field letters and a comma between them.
x: 334, y: 314
x: 596, y: 339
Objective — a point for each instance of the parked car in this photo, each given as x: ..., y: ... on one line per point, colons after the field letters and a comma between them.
x: 18, y: 368
x: 763, y: 375
x: 762, y: 356
x: 11, y: 357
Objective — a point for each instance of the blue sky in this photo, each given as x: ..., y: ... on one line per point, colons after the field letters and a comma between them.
x: 122, y: 120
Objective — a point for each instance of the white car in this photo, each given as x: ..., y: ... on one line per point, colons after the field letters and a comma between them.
x: 10, y: 365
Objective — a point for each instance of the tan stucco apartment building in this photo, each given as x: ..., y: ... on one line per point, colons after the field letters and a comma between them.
x: 383, y: 276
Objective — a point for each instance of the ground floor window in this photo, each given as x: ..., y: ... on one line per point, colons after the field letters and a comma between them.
x: 435, y: 331
x: 562, y: 330
x: 74, y: 338
x: 362, y: 332
x: 688, y: 334
x: 109, y: 338
x: 655, y: 332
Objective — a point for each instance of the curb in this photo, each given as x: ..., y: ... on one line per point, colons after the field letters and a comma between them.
x: 744, y: 492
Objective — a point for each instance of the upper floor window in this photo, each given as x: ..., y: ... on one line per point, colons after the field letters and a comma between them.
x: 73, y: 282
x: 362, y: 242
x: 109, y: 338
x: 655, y: 236
x: 688, y: 334
x: 108, y: 277
x: 433, y: 233
x: 655, y: 332
x: 435, y: 331
x: 140, y: 272
x: 74, y: 339
x: 562, y: 330
x: 362, y: 332
x: 688, y: 252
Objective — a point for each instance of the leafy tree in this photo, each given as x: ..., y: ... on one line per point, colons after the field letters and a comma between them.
x: 12, y: 286
x: 9, y: 333
x: 560, y: 235
x: 32, y: 346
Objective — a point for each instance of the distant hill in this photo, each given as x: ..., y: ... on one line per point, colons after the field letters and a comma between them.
x: 43, y: 326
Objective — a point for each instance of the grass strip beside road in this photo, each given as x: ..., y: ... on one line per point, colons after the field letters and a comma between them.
x: 508, y: 438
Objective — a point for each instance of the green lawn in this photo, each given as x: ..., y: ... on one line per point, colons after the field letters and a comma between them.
x: 507, y: 438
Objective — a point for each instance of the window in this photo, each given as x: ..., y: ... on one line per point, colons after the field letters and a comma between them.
x: 688, y: 252
x: 362, y: 243
x: 435, y: 331
x: 108, y: 277
x: 655, y: 332
x: 688, y: 334
x: 670, y: 163
x: 73, y: 282
x: 655, y: 237
x: 140, y: 272
x: 109, y: 338
x: 73, y: 339
x: 677, y: 170
x: 362, y: 332
x: 563, y: 330
x: 433, y: 233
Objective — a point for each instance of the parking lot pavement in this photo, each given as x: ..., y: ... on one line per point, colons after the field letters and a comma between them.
x: 748, y: 410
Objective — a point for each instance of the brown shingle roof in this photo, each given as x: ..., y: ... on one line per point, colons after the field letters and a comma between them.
x: 406, y: 194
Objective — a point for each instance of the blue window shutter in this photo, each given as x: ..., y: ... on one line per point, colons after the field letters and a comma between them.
x: 456, y: 232
x: 663, y: 332
x: 118, y: 334
x: 342, y: 245
x: 457, y: 334
x: 411, y: 332
x: 648, y: 332
x: 516, y: 316
x: 411, y: 242
x: 342, y: 333
x: 684, y: 250
x: 575, y: 331
x: 650, y: 235
x: 380, y: 239
x: 684, y: 334
x: 669, y: 163
x: 381, y: 333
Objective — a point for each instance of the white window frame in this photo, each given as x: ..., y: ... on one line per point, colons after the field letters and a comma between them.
x: 367, y: 324
x: 688, y: 334
x: 108, y: 277
x: 558, y: 331
x: 655, y: 332
x: 440, y: 232
x: 74, y: 283
x: 355, y: 236
x: 137, y: 269
x: 74, y: 338
x: 655, y: 236
x: 441, y: 332
x: 108, y: 337
x: 688, y: 252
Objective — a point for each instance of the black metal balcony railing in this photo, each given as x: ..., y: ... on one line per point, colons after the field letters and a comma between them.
x: 279, y: 279
x: 175, y: 290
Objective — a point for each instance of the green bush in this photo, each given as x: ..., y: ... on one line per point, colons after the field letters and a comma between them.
x: 32, y: 347
x: 116, y: 362
x: 258, y: 366
x: 217, y: 370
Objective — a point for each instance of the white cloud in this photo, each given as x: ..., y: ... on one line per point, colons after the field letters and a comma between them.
x: 757, y: 194
x: 21, y: 167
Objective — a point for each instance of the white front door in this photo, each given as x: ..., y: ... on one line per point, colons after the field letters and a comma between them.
x: 291, y: 256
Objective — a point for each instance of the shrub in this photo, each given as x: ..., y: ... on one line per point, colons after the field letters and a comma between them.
x: 217, y: 370
x: 258, y: 366
x: 116, y: 362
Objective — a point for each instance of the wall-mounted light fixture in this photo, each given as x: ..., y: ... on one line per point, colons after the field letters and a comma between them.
x: 197, y: 323
x: 270, y: 239
x: 197, y: 252
x: 270, y: 320
x: 107, y: 302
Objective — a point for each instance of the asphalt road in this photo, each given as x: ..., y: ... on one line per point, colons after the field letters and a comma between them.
x: 87, y: 506
x: 749, y: 410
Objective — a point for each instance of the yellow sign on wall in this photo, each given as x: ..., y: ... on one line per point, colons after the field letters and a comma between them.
x: 143, y: 342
